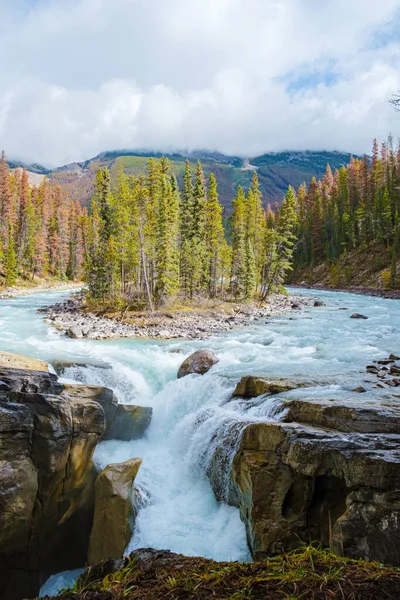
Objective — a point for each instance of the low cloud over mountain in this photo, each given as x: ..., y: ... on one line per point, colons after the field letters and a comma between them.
x: 239, y: 77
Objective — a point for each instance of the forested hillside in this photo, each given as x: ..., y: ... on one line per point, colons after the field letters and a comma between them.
x: 276, y: 171
x: 349, y: 223
x: 41, y: 230
x: 150, y: 239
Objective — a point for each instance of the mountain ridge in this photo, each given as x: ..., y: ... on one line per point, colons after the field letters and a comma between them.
x: 276, y: 170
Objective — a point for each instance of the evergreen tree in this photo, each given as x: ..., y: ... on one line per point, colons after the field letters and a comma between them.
x: 238, y: 235
x: 214, y: 236
x: 167, y: 240
x: 251, y: 272
x: 187, y: 204
x: 10, y: 259
x: 279, y: 247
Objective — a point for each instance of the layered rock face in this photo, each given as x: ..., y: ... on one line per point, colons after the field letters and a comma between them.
x: 329, y: 473
x: 123, y: 421
x: 114, y: 514
x: 252, y: 387
x: 47, y: 438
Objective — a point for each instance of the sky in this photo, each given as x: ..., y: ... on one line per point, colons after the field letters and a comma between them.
x: 243, y: 77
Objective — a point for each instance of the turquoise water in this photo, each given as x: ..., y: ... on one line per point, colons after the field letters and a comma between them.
x: 194, y: 415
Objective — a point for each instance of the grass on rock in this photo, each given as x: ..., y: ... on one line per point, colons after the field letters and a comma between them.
x: 308, y: 573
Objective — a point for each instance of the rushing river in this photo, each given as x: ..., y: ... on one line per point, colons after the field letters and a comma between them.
x: 194, y: 415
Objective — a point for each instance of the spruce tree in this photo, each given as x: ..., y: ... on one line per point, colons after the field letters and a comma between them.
x: 10, y: 259
x: 186, y: 227
x: 238, y: 235
x: 214, y: 236
x: 251, y: 272
x: 167, y: 241
x: 258, y: 233
x: 279, y: 247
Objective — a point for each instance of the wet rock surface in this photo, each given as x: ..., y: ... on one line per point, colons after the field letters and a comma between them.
x: 328, y: 473
x: 48, y: 433
x: 114, y: 513
x: 384, y: 374
x: 71, y: 318
x: 199, y: 362
x: 122, y: 421
x: 252, y: 387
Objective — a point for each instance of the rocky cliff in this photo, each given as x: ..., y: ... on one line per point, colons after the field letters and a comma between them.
x: 48, y: 433
x: 328, y: 472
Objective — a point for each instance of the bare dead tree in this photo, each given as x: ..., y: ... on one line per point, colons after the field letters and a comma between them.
x: 396, y: 101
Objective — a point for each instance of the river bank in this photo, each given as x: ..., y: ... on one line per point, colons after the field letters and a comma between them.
x: 56, y: 286
x: 73, y: 318
x: 361, y: 290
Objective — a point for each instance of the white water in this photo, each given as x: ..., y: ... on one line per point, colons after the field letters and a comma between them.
x: 193, y: 416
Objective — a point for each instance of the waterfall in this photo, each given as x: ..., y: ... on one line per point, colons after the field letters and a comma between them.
x: 197, y: 426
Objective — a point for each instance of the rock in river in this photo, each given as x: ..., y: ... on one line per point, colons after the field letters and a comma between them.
x: 319, y: 303
x: 114, y: 513
x: 199, y: 362
x: 251, y: 387
x: 75, y: 332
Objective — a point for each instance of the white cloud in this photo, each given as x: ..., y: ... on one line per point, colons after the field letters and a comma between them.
x: 82, y: 76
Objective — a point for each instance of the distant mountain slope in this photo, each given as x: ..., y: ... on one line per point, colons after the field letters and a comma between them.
x: 276, y: 171
x: 279, y: 170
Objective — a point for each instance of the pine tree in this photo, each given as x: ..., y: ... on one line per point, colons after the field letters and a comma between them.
x: 10, y: 259
x: 104, y: 202
x: 187, y: 204
x: 198, y: 280
x: 238, y: 235
x: 167, y: 241
x: 279, y: 247
x: 214, y: 235
x: 7, y: 204
x: 259, y: 226
x: 251, y: 272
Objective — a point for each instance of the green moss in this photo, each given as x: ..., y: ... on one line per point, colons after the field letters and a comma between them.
x: 309, y: 573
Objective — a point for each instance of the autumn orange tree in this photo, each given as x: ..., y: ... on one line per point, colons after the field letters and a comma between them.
x: 41, y: 230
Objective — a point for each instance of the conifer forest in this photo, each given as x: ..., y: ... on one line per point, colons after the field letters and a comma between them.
x: 146, y: 243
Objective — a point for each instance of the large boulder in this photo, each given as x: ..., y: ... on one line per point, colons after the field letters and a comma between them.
x: 330, y: 474
x: 114, y: 514
x: 123, y: 421
x: 199, y: 362
x: 47, y: 477
x: 75, y: 332
x: 89, y: 393
x: 252, y: 387
x: 130, y: 422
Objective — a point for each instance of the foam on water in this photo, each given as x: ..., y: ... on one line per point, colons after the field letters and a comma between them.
x: 195, y: 418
